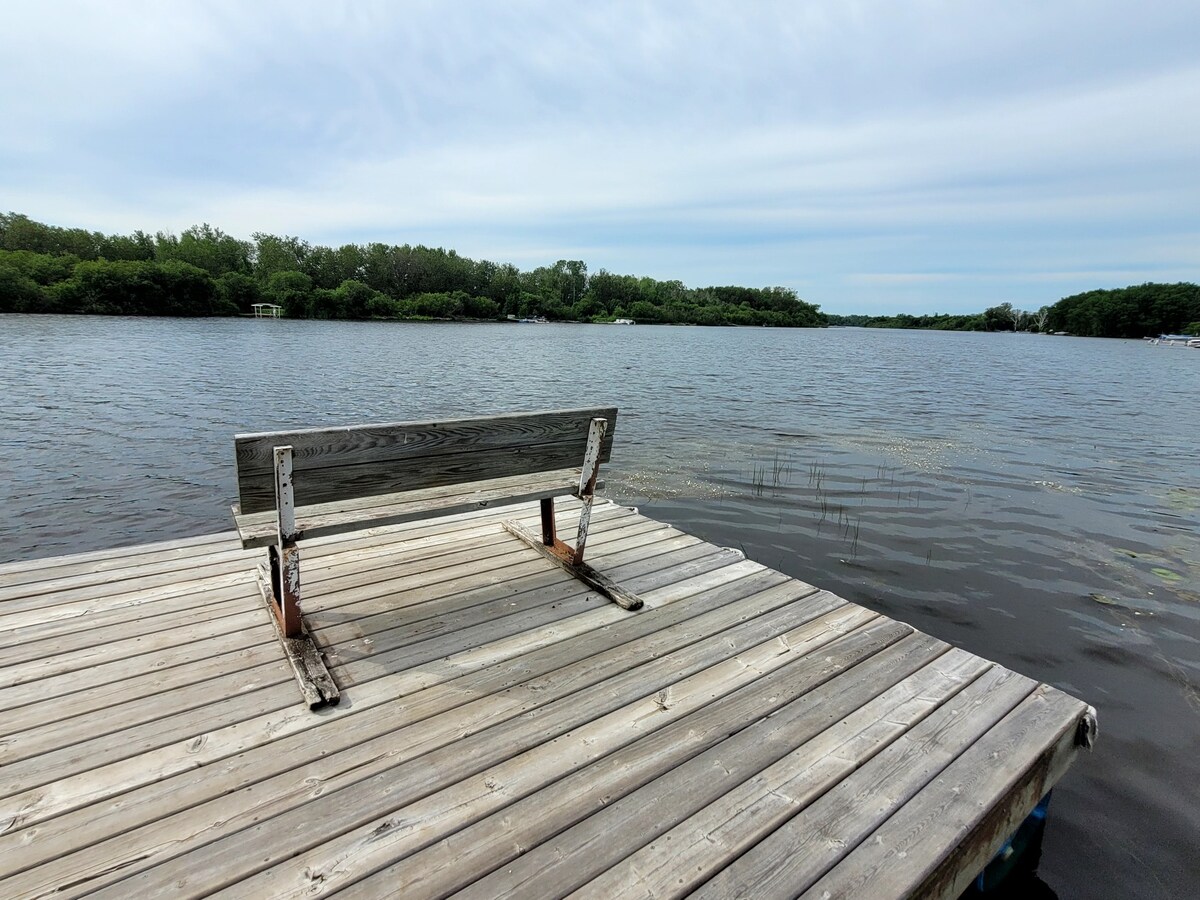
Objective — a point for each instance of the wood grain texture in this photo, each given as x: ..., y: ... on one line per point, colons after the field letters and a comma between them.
x: 504, y: 731
x: 826, y: 723
x: 313, y: 447
x: 339, y: 463
x: 440, y: 660
x: 338, y: 516
x: 196, y: 800
x: 958, y: 822
x: 544, y: 747
x: 809, y: 836
x: 686, y: 765
x: 594, y: 579
x: 356, y: 751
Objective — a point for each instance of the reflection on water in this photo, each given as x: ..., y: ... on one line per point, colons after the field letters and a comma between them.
x: 1032, y: 499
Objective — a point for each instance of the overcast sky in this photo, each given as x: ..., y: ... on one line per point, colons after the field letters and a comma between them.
x: 874, y: 156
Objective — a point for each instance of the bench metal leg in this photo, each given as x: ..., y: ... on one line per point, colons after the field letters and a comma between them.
x: 281, y: 592
x: 285, y: 562
x: 285, y: 586
x: 587, y: 484
x: 571, y: 558
x: 549, y: 535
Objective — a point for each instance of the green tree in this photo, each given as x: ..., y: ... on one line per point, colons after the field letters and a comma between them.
x: 273, y: 254
x: 20, y: 293
x: 354, y: 299
x: 134, y: 287
x: 291, y: 290
x: 481, y: 308
x: 237, y: 292
x: 207, y: 248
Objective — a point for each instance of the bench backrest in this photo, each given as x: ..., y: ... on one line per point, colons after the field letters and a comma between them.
x: 330, y: 464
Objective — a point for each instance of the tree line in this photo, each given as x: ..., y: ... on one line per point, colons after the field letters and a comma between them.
x: 1141, y: 310
x: 206, y: 272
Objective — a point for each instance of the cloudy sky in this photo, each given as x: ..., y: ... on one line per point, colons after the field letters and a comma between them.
x: 874, y: 156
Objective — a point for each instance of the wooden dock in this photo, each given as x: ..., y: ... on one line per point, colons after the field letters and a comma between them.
x: 503, y: 730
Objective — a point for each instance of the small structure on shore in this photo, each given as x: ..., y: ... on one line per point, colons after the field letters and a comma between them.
x: 266, y: 310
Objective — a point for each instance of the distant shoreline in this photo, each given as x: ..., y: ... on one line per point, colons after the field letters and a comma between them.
x: 205, y: 272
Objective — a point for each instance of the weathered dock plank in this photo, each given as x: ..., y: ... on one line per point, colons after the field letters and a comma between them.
x: 505, y: 731
x: 575, y: 661
x: 834, y: 724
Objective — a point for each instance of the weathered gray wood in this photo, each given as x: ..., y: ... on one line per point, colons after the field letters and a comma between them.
x: 162, y: 585
x: 488, y: 543
x: 317, y: 686
x: 332, y: 464
x: 598, y: 581
x: 465, y: 749
x: 809, y: 838
x: 939, y: 840
x: 691, y: 799
x: 55, y: 580
x: 370, y: 634
x: 258, y: 649
x: 664, y: 729
x: 92, y: 591
x: 461, y: 679
x: 292, y: 736
x: 606, y: 716
x: 103, y: 675
x: 37, y: 773
x: 392, y: 649
x: 32, y: 572
x: 38, y: 737
x: 824, y: 734
x: 405, y: 469
x: 348, y: 445
x: 339, y: 517
x: 99, y: 628
x: 684, y: 766
x: 54, y: 627
x: 94, y: 657
x: 361, y: 756
x: 409, y: 583
x: 447, y: 663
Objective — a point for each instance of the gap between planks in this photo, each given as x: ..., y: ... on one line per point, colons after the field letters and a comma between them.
x: 156, y: 707
x: 72, y: 791
x: 713, y: 667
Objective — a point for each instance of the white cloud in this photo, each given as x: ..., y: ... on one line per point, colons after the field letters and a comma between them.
x: 809, y: 144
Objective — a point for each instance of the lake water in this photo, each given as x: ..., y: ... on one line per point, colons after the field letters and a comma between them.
x: 1032, y: 499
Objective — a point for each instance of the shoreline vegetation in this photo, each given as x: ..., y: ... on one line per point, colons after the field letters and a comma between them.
x: 1143, y: 310
x: 205, y: 272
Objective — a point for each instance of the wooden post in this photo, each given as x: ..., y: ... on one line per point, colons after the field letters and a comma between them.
x: 587, y: 483
x: 286, y: 561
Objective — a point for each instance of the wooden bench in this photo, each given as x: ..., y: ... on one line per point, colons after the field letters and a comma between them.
x: 305, y: 484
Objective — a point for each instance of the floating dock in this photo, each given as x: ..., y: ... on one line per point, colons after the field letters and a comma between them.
x: 503, y: 730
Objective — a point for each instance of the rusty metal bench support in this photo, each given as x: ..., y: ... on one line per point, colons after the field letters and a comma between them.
x: 280, y: 588
x: 561, y: 553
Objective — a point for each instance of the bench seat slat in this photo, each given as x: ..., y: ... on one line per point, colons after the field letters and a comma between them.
x: 258, y: 529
